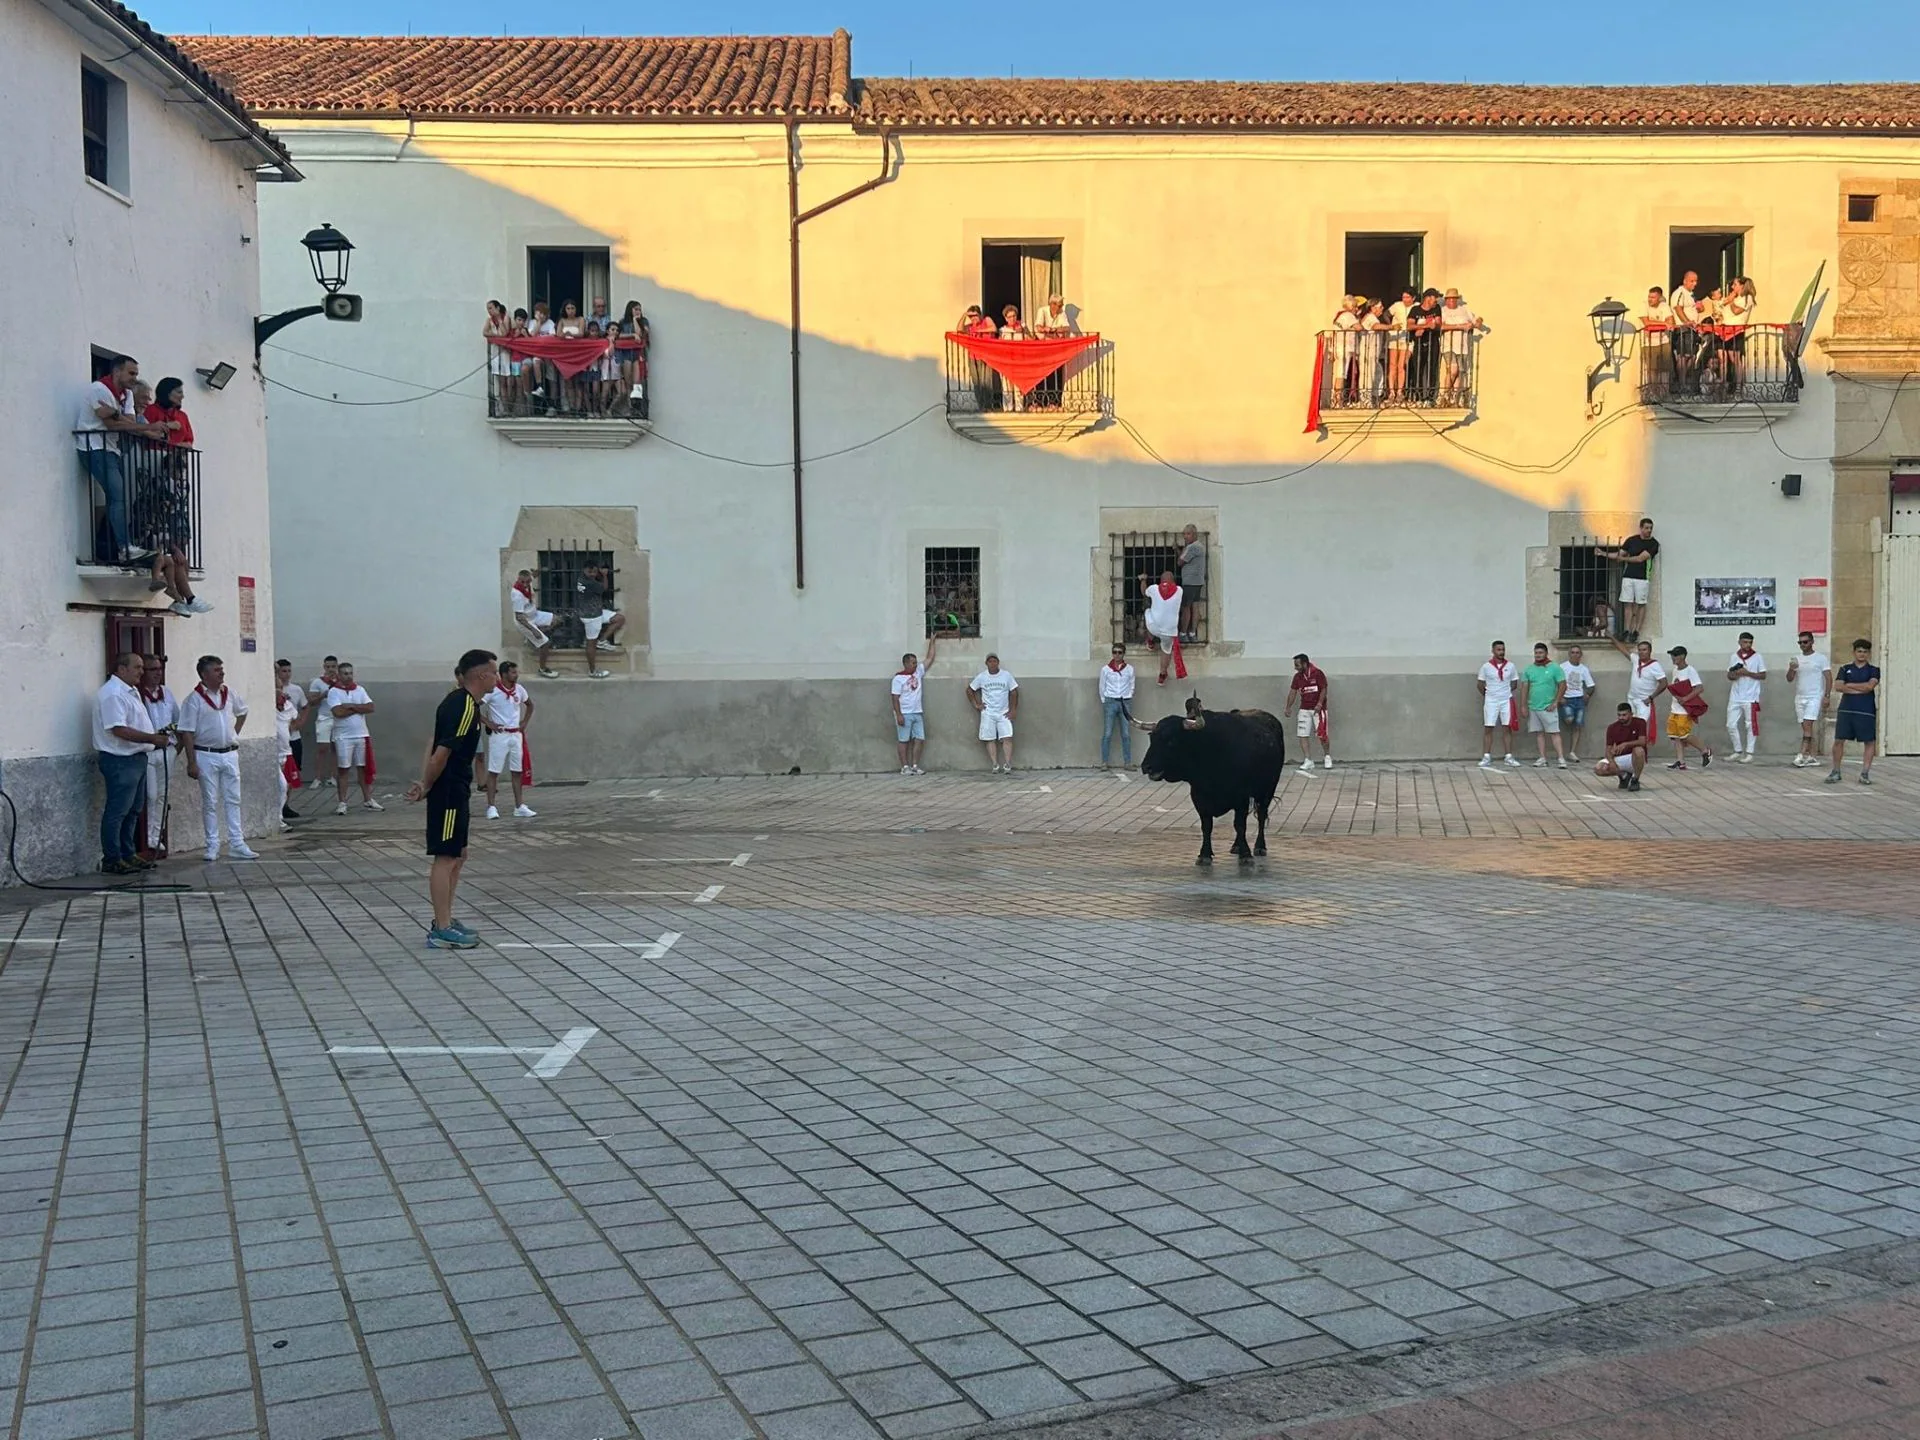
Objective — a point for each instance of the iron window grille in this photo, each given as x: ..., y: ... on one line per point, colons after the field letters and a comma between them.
x: 953, y: 590
x: 1140, y: 558
x: 1588, y: 606
x: 559, y: 569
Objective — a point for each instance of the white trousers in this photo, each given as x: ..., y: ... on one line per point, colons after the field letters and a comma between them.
x: 280, y: 774
x: 220, y: 789
x: 1741, y: 714
x: 157, y: 796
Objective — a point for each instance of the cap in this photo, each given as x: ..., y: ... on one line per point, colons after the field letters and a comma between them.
x: 1678, y: 650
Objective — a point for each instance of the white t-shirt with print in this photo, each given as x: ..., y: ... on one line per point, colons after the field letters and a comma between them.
x: 911, y: 690
x: 1499, y: 679
x: 1746, y: 689
x: 1809, y: 680
x: 1579, y: 679
x: 993, y: 689
x: 1685, y: 675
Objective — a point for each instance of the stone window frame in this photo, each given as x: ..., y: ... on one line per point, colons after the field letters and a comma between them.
x: 613, y: 528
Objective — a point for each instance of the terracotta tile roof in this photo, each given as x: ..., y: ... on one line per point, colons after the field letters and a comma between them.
x: 216, y: 94
x: 1151, y: 104
x: 656, y: 76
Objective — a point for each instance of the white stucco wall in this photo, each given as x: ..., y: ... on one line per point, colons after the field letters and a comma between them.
x: 1402, y: 558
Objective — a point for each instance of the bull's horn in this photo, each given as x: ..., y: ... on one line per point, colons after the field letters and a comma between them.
x: 1193, y: 704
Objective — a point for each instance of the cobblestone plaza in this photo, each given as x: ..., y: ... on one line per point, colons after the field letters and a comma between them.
x: 859, y: 1106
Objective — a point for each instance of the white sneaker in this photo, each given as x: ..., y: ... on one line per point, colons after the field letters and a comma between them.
x: 906, y: 769
x: 373, y: 805
x: 1799, y: 762
x: 341, y: 808
x: 212, y: 855
x: 1572, y: 758
x: 916, y: 770
x: 1747, y: 758
x: 1513, y: 760
x: 1486, y: 762
x: 523, y: 812
x: 599, y: 674
x: 1563, y: 764
x: 1306, y: 764
x: 1539, y: 764
x: 198, y: 606
x: 243, y: 852
x: 1327, y: 764
x: 493, y: 812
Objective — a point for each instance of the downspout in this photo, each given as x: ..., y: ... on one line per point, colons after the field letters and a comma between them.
x: 796, y: 217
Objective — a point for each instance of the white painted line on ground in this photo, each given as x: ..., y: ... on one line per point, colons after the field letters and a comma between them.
x: 1122, y: 775
x: 699, y: 897
x: 734, y: 860
x: 31, y: 940
x: 1043, y: 790
x: 650, y: 949
x: 708, y: 895
x: 553, y: 1058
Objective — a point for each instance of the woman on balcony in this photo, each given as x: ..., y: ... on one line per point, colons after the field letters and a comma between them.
x: 572, y: 325
x: 502, y: 374
x: 1736, y: 313
x: 169, y: 499
x: 632, y: 339
x: 1375, y: 328
x: 1012, y: 328
x: 1346, y: 349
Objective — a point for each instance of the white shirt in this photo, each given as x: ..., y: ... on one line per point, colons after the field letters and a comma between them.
x: 536, y: 326
x: 1163, y: 612
x: 318, y: 686
x: 1641, y: 682
x: 212, y: 726
x: 89, y: 419
x: 1397, y: 314
x: 1809, y: 679
x: 910, y: 690
x: 1455, y: 326
x: 1746, y: 690
x: 283, y: 715
x: 994, y: 688
x: 348, y: 727
x: 1346, y: 320
x: 1579, y: 679
x: 1116, y: 684
x: 1658, y: 318
x: 1685, y: 675
x: 162, y: 712
x: 1047, y: 320
x: 503, y: 709
x: 521, y: 604
x: 1737, y: 309
x: 1684, y: 306
x: 118, y: 703
x: 1499, y: 679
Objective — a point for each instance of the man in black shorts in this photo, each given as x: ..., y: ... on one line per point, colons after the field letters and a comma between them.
x: 446, y: 783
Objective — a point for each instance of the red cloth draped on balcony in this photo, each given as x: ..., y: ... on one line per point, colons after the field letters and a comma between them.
x: 569, y: 357
x: 1023, y: 363
x: 1313, y: 395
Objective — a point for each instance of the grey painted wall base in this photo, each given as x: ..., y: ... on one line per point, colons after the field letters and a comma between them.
x: 58, y: 797
x: 596, y: 730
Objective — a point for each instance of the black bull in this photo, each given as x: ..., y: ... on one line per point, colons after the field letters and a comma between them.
x: 1228, y: 759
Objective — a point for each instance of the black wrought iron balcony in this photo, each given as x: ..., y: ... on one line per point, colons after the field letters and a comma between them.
x: 1057, y: 378
x: 1721, y: 365
x: 137, y: 496
x: 1374, y: 370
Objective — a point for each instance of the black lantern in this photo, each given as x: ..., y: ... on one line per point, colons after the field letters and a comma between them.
x: 1613, y: 333
x: 330, y: 252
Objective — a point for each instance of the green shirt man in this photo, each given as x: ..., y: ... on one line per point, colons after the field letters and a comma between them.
x: 1546, y: 682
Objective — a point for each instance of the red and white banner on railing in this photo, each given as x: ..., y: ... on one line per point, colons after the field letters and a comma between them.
x: 570, y: 357
x: 1023, y: 364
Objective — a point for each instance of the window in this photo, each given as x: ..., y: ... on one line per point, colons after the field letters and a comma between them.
x: 1140, y: 559
x: 558, y: 573
x: 1861, y: 209
x: 1022, y: 273
x: 1379, y: 266
x: 1716, y: 256
x: 559, y: 274
x: 953, y: 591
x: 103, y: 127
x: 1589, y: 582
x: 138, y: 633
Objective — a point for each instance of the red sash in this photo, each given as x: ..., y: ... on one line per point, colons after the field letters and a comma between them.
x: 1513, y: 695
x: 291, y: 769
x: 1319, y: 374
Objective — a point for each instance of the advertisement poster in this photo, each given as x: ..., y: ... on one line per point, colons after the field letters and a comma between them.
x: 249, y: 639
x: 1745, y: 601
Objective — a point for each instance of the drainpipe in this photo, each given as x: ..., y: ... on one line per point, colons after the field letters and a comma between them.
x: 796, y: 217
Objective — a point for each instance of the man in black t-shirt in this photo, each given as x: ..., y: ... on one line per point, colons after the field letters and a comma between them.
x: 446, y: 783
x: 1858, y: 716
x: 1636, y: 578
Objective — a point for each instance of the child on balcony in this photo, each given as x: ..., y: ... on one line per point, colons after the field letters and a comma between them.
x: 164, y: 494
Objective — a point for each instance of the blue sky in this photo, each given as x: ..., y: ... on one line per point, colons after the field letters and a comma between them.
x: 1623, y: 42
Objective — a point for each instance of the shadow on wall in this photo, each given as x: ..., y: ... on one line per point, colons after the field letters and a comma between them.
x: 1333, y: 560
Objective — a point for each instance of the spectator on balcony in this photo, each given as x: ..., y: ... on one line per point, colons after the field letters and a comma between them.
x: 1736, y: 313
x: 598, y: 380
x: 571, y: 325
x: 534, y: 373
x: 597, y: 315
x: 162, y: 712
x: 601, y: 622
x: 1193, y: 581
x: 1399, y: 343
x: 122, y: 736
x: 1656, y: 342
x: 1687, y: 318
x: 1012, y: 328
x: 503, y: 373
x: 1052, y: 323
x: 1423, y: 343
x: 1376, y: 330
x: 532, y: 622
x: 1345, y: 358
x: 106, y: 416
x: 349, y: 704
x: 211, y: 719
x: 1458, y: 325
x: 973, y: 322
x: 980, y: 376
x: 169, y: 499
x: 633, y: 338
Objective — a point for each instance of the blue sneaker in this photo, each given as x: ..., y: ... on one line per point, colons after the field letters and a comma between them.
x: 464, y: 929
x: 450, y: 939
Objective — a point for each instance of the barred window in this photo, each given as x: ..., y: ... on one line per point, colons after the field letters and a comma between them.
x: 1589, y: 583
x: 953, y: 590
x: 1140, y: 558
x: 558, y: 571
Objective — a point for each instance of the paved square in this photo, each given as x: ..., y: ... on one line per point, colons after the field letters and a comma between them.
x: 871, y: 1106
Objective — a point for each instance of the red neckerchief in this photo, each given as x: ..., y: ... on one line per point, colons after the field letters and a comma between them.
x: 280, y: 701
x: 1499, y: 670
x: 910, y: 675
x: 1167, y: 589
x: 1745, y: 652
x: 525, y: 589
x: 113, y: 389
x: 1640, y: 666
x: 220, y: 704
x: 155, y: 696
x: 1117, y: 664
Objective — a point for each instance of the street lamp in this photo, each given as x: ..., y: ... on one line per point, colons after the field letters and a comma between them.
x: 1613, y: 333
x: 330, y: 253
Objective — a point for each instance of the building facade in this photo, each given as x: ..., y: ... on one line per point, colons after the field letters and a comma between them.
x: 759, y: 201
x: 127, y: 215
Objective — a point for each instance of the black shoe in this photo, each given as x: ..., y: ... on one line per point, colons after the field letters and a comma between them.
x: 1706, y: 759
x: 1634, y: 784
x: 287, y: 812
x: 1623, y: 781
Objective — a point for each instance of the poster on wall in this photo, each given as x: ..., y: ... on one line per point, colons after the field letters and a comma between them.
x: 249, y: 640
x: 1746, y: 601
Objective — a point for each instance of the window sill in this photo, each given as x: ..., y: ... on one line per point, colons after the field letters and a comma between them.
x: 1710, y: 417
x: 1393, y: 420
x: 108, y: 190
x: 1037, y: 427
x: 549, y: 433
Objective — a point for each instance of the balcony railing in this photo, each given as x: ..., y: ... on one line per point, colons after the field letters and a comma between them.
x: 1009, y: 377
x: 559, y: 379
x: 152, y: 489
x: 1390, y: 370
x: 1721, y: 365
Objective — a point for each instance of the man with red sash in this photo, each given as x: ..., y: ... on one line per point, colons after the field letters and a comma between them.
x: 1307, y: 702
x: 211, y: 719
x: 1689, y: 704
x: 507, y: 712
x: 1748, y: 671
x: 1499, y: 704
x: 1163, y: 624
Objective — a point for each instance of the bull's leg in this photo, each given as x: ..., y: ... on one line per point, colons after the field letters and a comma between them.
x: 1240, y: 832
x: 1206, y: 840
x: 1260, y: 814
